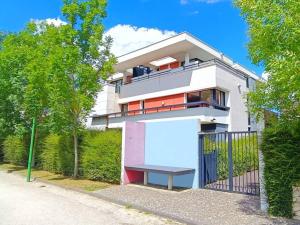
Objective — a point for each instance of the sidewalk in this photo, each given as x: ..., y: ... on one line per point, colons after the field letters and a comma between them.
x: 38, y: 203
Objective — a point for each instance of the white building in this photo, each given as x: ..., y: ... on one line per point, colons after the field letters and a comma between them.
x: 179, y: 77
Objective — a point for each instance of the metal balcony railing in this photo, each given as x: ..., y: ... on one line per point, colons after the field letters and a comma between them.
x: 163, y: 109
x: 191, y: 66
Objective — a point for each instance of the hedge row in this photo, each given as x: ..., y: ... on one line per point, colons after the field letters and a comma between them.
x: 100, y: 154
x: 281, y: 149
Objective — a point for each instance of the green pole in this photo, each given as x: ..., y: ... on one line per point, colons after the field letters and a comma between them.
x: 31, y: 150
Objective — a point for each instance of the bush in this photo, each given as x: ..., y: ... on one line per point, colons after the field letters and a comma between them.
x: 14, y: 150
x: 281, y: 149
x: 101, y: 155
x: 57, y: 154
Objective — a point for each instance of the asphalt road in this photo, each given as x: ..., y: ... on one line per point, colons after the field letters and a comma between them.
x: 35, y: 203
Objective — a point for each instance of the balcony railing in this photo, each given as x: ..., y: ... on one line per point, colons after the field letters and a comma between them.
x: 165, y: 72
x: 163, y: 109
x: 191, y: 66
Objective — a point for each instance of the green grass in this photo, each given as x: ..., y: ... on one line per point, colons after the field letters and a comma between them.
x: 57, y: 179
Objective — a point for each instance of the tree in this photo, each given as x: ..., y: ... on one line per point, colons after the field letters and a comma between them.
x: 274, y: 30
x: 80, y: 58
x: 23, y: 81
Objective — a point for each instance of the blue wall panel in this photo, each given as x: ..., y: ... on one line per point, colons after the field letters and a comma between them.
x: 173, y: 143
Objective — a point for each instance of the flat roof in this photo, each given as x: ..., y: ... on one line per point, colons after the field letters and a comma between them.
x: 176, y: 46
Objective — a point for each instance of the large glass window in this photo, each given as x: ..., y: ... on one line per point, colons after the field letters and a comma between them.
x: 206, y: 95
x: 220, y: 98
x: 193, y: 97
x: 214, y: 96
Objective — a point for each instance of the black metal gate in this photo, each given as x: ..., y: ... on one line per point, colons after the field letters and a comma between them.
x: 229, y: 162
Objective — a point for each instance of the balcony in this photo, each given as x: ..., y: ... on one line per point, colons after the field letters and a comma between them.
x: 183, y: 79
x: 203, y: 110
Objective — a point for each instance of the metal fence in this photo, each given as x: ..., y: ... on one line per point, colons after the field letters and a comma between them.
x: 229, y: 162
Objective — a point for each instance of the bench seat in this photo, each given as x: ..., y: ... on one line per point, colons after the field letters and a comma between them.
x: 170, y: 171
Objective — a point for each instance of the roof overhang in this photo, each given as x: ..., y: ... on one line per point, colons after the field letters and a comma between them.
x: 176, y: 47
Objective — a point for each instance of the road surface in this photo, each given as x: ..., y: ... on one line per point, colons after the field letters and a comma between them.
x: 35, y: 203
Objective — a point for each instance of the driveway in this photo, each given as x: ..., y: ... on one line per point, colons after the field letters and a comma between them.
x: 203, y: 207
x: 35, y: 203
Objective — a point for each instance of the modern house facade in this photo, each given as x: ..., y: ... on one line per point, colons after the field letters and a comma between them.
x: 176, y: 78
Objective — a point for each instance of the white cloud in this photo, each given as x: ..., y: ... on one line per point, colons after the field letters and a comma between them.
x: 50, y: 21
x: 128, y: 38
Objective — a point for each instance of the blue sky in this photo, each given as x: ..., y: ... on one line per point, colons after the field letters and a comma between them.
x: 216, y: 22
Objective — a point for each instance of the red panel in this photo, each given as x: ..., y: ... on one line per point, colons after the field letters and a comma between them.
x: 164, y: 101
x: 133, y: 106
x: 134, y: 176
x: 174, y: 65
x: 164, y: 67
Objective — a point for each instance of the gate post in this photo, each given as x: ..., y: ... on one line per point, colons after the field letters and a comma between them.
x: 230, y: 162
x: 201, y: 161
x: 263, y: 195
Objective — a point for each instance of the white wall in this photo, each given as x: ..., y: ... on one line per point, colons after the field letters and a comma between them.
x: 169, y: 84
x: 238, y: 115
x: 106, y: 102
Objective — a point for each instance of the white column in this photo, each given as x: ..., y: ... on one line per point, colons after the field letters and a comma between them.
x: 170, y: 182
x: 145, y: 177
x: 187, y: 59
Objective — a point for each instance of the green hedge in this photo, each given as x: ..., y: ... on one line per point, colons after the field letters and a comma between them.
x: 101, y: 155
x: 57, y: 154
x: 14, y: 150
x: 281, y: 149
x: 1, y: 150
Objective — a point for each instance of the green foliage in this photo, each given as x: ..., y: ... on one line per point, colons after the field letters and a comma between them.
x: 274, y: 30
x: 14, y: 149
x: 101, y: 157
x: 59, y: 91
x: 80, y: 57
x: 244, y: 154
x: 281, y: 149
x: 57, y: 155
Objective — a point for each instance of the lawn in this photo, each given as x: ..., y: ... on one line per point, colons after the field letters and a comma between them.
x: 57, y: 179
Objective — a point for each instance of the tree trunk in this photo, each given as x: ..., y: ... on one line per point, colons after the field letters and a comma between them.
x: 75, y: 139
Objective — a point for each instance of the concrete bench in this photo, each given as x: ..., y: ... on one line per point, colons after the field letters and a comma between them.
x: 170, y: 171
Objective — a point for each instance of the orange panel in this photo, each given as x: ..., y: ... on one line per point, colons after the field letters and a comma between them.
x: 174, y: 65
x: 164, y: 67
x: 133, y: 106
x: 164, y: 101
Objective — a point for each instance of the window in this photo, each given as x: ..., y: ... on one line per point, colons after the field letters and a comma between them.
x: 220, y: 98
x: 193, y: 97
x: 206, y: 95
x: 124, y: 109
x: 118, y: 84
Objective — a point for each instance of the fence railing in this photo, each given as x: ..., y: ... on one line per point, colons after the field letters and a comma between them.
x: 181, y: 69
x: 163, y: 109
x: 229, y: 161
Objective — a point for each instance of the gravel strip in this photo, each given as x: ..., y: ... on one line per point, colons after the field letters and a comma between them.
x: 193, y: 206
